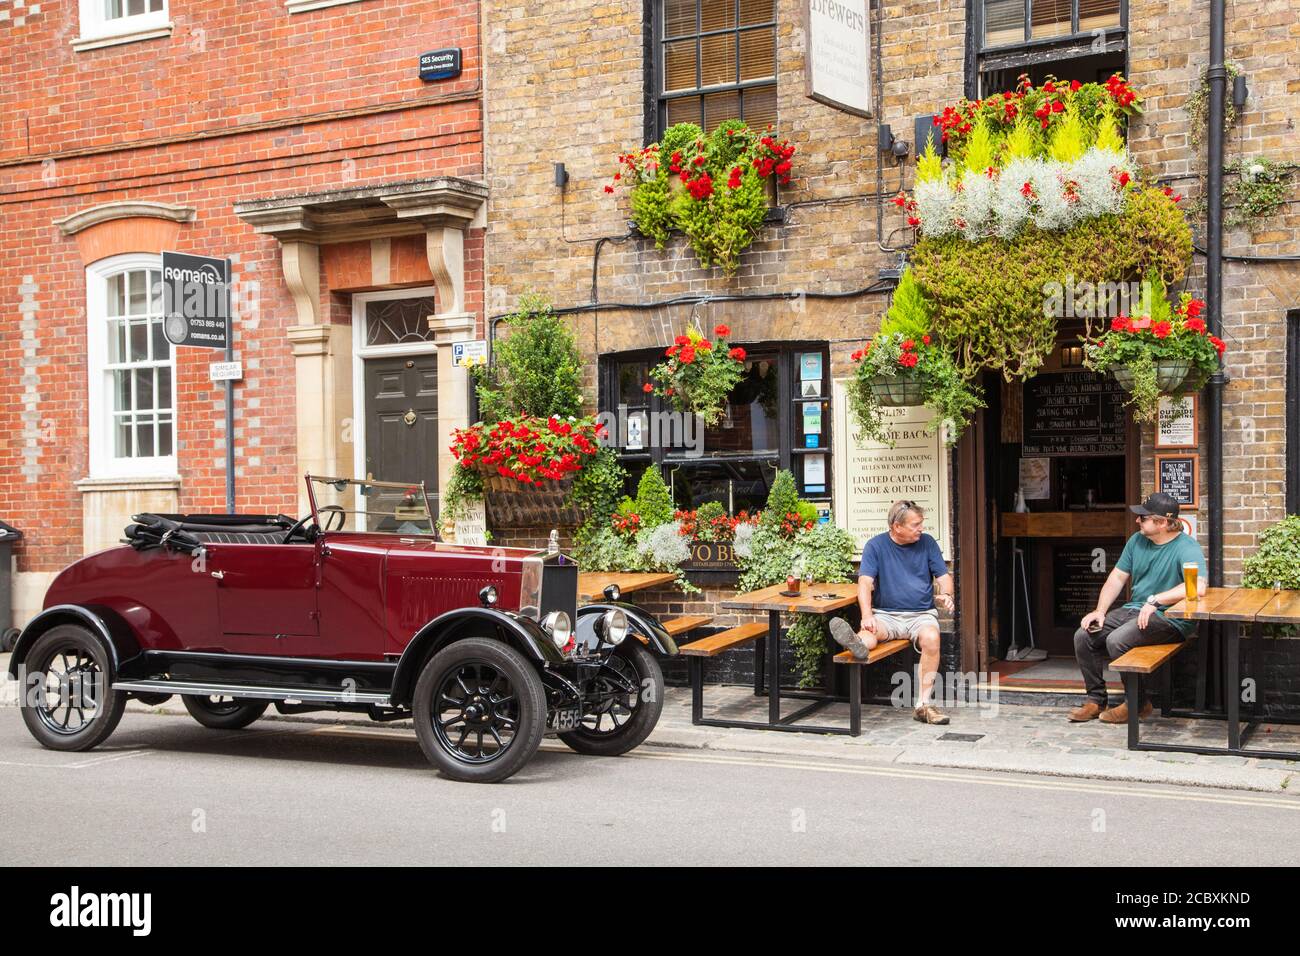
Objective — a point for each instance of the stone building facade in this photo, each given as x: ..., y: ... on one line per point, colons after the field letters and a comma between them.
x: 294, y: 137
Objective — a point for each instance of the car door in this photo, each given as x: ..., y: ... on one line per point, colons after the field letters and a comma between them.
x: 266, y: 596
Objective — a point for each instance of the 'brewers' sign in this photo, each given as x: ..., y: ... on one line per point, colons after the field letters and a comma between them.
x: 196, y: 300
x: 838, y: 71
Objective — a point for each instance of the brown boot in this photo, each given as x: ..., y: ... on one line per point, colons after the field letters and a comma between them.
x: 1090, y: 710
x: 1119, y: 715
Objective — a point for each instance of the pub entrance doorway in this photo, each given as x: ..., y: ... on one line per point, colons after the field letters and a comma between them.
x: 1064, y: 442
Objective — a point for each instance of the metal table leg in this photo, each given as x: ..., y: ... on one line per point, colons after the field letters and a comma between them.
x: 1232, y: 685
x: 1202, y: 665
x: 760, y: 664
x: 1257, y: 667
x: 773, y: 667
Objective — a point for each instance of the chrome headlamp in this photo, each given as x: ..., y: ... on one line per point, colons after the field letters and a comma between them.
x: 613, y: 627
x: 558, y: 625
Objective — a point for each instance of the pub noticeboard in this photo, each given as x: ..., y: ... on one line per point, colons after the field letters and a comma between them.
x: 1073, y: 413
x: 1179, y: 476
x: 1078, y: 572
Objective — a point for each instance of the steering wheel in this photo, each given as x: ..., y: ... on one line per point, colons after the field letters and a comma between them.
x: 302, y: 522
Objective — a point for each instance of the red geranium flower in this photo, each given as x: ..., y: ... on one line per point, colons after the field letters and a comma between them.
x: 737, y: 353
x: 1194, y: 324
x: 908, y: 359
x: 1161, y: 329
x: 722, y: 331
x: 908, y: 345
x: 925, y: 339
x: 647, y: 388
x: 688, y: 355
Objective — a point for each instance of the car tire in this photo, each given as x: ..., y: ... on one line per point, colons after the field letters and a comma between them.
x: 77, y: 653
x: 476, y: 687
x: 226, y: 714
x: 620, y: 727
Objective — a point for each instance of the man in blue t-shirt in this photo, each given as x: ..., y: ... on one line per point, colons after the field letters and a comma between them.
x: 1153, y: 558
x: 896, y: 595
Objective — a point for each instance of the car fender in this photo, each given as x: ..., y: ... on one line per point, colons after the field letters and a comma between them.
x: 522, y: 633
x: 640, y: 621
x: 115, y: 634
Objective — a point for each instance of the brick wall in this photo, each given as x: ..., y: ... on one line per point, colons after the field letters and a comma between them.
x: 243, y: 101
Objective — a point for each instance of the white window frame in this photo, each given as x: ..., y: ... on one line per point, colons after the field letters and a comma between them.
x: 98, y: 31
x: 103, y: 464
x: 303, y: 6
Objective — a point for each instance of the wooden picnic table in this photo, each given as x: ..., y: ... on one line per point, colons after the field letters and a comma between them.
x: 1238, y: 607
x: 592, y: 584
x: 814, y: 598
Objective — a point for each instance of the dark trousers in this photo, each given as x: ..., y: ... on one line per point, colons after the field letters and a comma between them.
x: 1119, y: 634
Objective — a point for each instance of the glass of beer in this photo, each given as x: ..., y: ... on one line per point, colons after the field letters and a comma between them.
x: 1189, y: 579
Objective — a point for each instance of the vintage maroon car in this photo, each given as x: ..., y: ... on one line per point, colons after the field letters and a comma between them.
x: 355, y: 607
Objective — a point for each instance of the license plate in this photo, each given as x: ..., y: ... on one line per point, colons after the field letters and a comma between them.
x: 567, y: 718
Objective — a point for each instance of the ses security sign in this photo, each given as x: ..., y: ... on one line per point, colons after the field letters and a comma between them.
x: 196, y: 300
x: 465, y: 354
x: 440, y: 64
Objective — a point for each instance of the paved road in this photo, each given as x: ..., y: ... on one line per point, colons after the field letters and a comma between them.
x: 167, y: 791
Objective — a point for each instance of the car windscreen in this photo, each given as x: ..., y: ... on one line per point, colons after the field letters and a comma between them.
x: 347, y: 504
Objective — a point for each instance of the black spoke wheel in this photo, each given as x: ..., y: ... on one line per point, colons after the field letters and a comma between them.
x: 479, y: 709
x: 224, y: 713
x: 66, y: 697
x: 628, y: 698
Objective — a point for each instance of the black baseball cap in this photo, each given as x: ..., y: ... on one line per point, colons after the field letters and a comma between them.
x: 1160, y: 504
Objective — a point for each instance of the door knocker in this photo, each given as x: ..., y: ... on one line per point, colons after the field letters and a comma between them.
x: 410, y: 417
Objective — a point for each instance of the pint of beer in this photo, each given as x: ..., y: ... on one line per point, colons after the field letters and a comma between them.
x: 1189, y: 579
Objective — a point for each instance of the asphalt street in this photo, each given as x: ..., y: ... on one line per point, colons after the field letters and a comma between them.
x: 164, y: 790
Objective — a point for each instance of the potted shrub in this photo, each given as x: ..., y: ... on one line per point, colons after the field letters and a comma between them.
x: 1159, y: 351
x: 698, y: 374
x: 527, y: 455
x: 905, y: 365
x: 711, y: 188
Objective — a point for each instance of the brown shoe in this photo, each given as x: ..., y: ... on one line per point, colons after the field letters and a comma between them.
x: 1090, y: 710
x: 1119, y: 715
x: 929, y: 715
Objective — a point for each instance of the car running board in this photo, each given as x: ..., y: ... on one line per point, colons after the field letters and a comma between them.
x: 288, y: 695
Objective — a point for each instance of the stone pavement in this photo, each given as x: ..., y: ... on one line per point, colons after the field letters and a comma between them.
x: 1013, y: 738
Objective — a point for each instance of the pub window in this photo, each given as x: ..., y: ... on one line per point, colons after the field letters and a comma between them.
x: 1070, y: 39
x: 778, y: 417
x: 132, y: 370
x: 715, y: 60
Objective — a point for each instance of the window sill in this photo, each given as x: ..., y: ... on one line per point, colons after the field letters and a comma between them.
x: 302, y: 6
x: 129, y: 483
x: 82, y: 44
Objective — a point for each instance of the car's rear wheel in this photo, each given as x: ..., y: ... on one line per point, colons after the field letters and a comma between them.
x: 630, y: 689
x: 224, y: 713
x: 67, y: 699
x: 480, y: 710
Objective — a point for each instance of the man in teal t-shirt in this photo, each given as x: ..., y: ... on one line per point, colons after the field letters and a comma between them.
x: 1153, y: 559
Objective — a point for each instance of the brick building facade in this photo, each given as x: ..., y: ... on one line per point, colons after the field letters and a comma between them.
x: 811, y: 276
x: 296, y: 139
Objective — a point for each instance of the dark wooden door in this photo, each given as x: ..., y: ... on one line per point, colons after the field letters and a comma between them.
x: 402, y: 419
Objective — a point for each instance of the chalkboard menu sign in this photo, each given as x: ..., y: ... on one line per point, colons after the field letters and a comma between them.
x: 1176, y: 476
x: 1073, y: 413
x: 1078, y: 572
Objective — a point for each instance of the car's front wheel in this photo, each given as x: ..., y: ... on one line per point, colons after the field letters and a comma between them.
x: 224, y: 713
x: 630, y: 697
x: 67, y: 698
x: 480, y: 710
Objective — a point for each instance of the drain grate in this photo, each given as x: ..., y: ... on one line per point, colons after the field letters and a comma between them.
x: 964, y: 738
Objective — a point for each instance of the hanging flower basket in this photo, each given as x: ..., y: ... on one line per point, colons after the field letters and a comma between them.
x: 528, y: 464
x: 1163, y: 350
x: 1170, y: 373
x: 515, y: 505
x: 698, y: 373
x: 897, y: 390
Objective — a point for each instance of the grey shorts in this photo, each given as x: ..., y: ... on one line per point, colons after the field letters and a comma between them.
x: 908, y: 624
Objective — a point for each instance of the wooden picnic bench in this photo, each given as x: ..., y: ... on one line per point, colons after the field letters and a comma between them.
x: 878, y: 653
